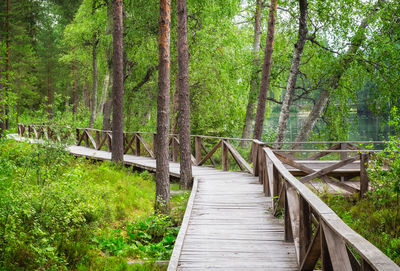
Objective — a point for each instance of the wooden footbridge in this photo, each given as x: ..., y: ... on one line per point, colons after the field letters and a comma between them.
x: 232, y: 217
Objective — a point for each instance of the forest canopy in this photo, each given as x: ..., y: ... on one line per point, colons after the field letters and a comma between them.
x: 56, y: 63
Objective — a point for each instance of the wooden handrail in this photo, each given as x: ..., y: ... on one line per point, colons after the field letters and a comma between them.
x: 333, y: 235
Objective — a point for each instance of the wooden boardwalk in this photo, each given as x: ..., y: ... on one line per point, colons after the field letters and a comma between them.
x: 228, y: 224
x: 230, y: 221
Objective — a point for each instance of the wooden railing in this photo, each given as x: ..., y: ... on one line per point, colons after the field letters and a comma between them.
x: 316, y: 231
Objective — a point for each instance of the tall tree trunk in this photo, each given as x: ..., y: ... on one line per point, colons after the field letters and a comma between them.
x: 106, y: 99
x: 344, y: 63
x: 162, y: 163
x: 7, y: 85
x: 175, y: 98
x: 184, y: 99
x: 2, y: 100
x: 294, y: 71
x: 49, y: 90
x: 104, y: 94
x: 117, y: 147
x: 93, y: 102
x: 108, y: 106
x: 86, y: 94
x: 74, y: 89
x: 269, y: 47
x: 255, y: 78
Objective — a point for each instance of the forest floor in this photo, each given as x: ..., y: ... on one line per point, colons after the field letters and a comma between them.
x: 58, y: 212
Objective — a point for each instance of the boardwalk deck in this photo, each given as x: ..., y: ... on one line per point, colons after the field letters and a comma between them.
x: 230, y: 225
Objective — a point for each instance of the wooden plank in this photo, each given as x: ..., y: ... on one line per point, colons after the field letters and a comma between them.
x: 197, y: 148
x: 364, y: 180
x: 238, y: 158
x: 305, y: 228
x: 208, y: 155
x: 225, y: 157
x: 329, y: 169
x: 294, y: 211
x: 337, y: 250
x: 146, y: 147
x: 205, y: 150
x: 313, y: 252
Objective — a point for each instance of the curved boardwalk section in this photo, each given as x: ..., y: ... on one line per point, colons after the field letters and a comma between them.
x: 228, y: 224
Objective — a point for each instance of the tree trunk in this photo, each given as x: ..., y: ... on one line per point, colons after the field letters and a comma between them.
x: 175, y: 98
x: 104, y: 94
x: 162, y: 164
x: 74, y: 91
x: 108, y: 106
x: 107, y: 86
x: 93, y: 102
x: 7, y: 84
x: 255, y: 78
x: 86, y: 94
x: 184, y: 99
x: 49, y: 90
x: 333, y: 82
x: 294, y: 70
x: 117, y: 146
x: 2, y: 99
x: 269, y: 47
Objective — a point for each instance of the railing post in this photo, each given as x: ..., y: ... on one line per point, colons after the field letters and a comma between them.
x: 97, y: 139
x: 175, y: 149
x: 154, y: 145
x: 77, y: 135
x: 364, y: 180
x: 137, y: 147
x: 261, y: 164
x: 305, y: 230
x: 197, y: 148
x: 225, y: 158
x: 343, y: 156
x: 288, y: 222
x: 254, y: 155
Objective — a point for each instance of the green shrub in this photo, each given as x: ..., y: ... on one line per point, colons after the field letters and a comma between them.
x: 52, y: 205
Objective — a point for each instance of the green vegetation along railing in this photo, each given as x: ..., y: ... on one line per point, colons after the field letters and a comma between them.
x: 316, y: 231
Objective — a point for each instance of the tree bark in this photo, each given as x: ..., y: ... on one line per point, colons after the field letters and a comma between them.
x: 93, y: 102
x: 184, y: 98
x: 333, y: 82
x: 117, y: 147
x: 7, y: 84
x: 2, y: 99
x: 294, y: 70
x: 175, y: 98
x: 162, y: 164
x: 255, y: 78
x: 49, y: 90
x: 74, y: 90
x: 262, y: 98
x: 104, y: 94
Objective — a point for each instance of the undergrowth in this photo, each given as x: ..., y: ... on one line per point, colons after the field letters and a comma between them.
x: 58, y: 212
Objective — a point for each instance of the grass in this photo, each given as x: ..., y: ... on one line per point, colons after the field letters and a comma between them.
x: 375, y: 222
x: 58, y: 212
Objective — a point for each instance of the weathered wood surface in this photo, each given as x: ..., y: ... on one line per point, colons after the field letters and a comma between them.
x: 230, y: 227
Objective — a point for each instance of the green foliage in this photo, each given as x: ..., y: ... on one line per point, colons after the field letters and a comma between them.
x: 149, y: 238
x: 53, y: 207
